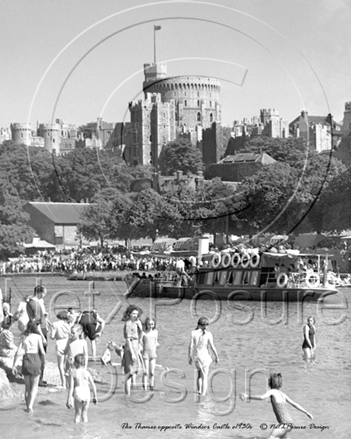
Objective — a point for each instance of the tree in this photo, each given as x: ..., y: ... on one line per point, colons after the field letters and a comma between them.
x: 29, y: 170
x: 283, y: 199
x: 83, y: 173
x: 99, y: 220
x: 180, y: 155
x: 334, y: 206
x: 14, y: 230
x: 148, y: 212
x: 290, y: 150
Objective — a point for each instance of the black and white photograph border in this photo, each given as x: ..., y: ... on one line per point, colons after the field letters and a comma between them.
x: 175, y: 254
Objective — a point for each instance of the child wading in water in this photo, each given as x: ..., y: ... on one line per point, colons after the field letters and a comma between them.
x: 79, y: 389
x: 201, y: 341
x: 278, y: 400
x: 150, y: 344
x: 61, y: 331
x: 76, y: 345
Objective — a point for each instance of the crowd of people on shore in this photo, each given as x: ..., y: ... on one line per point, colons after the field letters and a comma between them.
x: 87, y: 261
x: 115, y: 259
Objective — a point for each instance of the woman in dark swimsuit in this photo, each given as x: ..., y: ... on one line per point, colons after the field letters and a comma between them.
x: 309, y: 342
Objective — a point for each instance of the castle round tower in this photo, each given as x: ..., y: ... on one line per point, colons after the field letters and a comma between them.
x: 51, y: 134
x: 21, y: 133
x: 197, y: 98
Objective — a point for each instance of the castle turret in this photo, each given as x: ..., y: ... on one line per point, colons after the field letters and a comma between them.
x: 197, y: 98
x: 51, y: 134
x: 21, y: 133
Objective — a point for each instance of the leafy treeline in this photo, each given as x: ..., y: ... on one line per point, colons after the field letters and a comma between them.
x: 183, y: 213
x: 39, y: 176
x: 290, y: 196
x: 33, y: 174
x: 302, y: 192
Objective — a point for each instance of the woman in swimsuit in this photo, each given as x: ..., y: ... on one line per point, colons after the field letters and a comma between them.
x: 132, y: 361
x: 150, y: 344
x: 309, y: 342
x: 279, y: 405
x: 31, y: 345
x: 201, y: 341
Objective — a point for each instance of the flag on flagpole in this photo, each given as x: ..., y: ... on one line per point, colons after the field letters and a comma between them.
x: 157, y: 28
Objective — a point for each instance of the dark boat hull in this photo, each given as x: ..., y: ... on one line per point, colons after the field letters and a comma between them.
x: 153, y: 289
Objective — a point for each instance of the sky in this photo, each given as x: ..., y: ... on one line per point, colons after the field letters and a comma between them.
x: 83, y: 59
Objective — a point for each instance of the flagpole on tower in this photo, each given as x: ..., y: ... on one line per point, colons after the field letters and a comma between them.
x: 155, y: 44
x: 156, y: 28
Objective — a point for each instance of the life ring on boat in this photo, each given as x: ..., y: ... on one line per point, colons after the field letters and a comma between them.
x: 245, y: 261
x: 236, y: 260
x: 312, y: 280
x: 226, y: 260
x: 282, y: 280
x: 216, y: 261
x: 255, y: 260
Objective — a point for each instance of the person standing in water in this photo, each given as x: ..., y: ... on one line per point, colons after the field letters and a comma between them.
x: 150, y: 344
x: 61, y: 331
x: 132, y: 361
x: 201, y: 341
x: 309, y: 342
x: 279, y: 402
x: 79, y: 389
x: 31, y: 345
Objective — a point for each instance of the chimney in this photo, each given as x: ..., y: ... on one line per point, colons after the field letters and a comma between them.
x: 199, y: 180
x: 156, y: 181
x: 179, y: 176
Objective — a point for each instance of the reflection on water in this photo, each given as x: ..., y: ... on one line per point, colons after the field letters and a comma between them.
x: 251, y: 341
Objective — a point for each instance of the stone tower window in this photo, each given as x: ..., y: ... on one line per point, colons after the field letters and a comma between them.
x: 198, y: 117
x: 185, y: 103
x: 211, y: 117
x: 210, y: 103
x: 198, y: 103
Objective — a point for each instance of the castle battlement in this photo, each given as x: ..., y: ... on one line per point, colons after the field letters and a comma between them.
x: 49, y: 127
x: 17, y: 126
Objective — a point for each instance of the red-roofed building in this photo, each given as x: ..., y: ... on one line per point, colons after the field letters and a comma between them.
x: 56, y: 222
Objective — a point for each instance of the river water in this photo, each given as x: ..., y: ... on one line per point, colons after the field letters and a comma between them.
x: 251, y: 338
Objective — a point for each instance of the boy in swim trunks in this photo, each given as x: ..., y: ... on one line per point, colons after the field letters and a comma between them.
x: 79, y: 389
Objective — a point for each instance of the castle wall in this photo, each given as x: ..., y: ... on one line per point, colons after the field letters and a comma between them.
x: 152, y: 126
x: 346, y: 126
